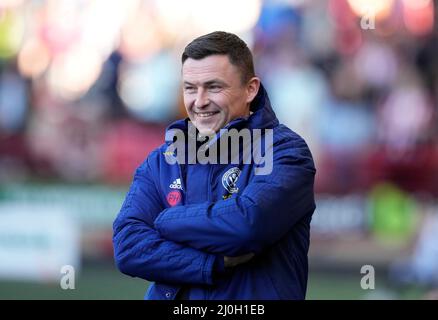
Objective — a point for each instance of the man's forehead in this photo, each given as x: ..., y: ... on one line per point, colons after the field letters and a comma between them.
x: 208, y: 68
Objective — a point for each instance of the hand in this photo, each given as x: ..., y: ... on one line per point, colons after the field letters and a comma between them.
x: 234, y: 261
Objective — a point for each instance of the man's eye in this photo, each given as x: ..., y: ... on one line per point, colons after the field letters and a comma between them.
x: 189, y: 89
x: 215, y: 88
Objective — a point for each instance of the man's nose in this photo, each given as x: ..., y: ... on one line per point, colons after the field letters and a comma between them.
x: 202, y: 99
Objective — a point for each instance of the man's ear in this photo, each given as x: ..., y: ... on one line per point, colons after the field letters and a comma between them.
x: 252, y: 89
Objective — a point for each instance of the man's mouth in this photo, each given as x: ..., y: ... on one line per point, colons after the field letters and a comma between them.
x: 206, y: 114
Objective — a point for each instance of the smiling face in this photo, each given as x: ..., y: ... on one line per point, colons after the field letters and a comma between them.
x: 214, y: 94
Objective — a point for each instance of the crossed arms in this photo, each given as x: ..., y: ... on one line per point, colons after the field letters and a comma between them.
x: 187, y: 244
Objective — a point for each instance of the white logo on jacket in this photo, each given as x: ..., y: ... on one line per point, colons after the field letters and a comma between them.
x: 176, y: 184
x: 229, y: 179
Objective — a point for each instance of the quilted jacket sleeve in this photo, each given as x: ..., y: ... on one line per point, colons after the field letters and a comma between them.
x: 267, y: 209
x: 140, y: 251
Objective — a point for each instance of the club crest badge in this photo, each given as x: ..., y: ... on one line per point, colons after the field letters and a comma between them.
x: 173, y: 198
x: 229, y: 180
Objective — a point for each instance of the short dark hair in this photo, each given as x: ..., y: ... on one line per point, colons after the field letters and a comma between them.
x: 220, y: 42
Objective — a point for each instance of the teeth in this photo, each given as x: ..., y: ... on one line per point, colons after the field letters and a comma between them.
x: 205, y: 114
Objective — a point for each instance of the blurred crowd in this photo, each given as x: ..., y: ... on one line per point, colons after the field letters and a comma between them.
x: 88, y: 87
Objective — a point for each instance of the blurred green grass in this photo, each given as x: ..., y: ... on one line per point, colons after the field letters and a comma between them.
x: 102, y: 282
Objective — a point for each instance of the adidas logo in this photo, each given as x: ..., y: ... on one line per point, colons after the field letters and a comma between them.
x: 176, y: 184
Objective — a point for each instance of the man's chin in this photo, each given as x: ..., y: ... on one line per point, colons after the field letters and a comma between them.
x: 206, y: 128
x: 206, y: 131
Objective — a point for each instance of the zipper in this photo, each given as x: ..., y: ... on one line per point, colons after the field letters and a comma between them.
x: 183, y: 181
x: 209, y: 183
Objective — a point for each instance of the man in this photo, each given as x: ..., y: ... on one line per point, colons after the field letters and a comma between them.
x: 220, y: 230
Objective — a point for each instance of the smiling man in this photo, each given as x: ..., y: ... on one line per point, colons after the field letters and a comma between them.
x: 220, y: 231
x: 215, y: 91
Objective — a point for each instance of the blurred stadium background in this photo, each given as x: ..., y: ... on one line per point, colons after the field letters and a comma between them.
x: 88, y: 87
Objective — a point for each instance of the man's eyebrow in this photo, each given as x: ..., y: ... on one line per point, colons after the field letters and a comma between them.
x: 207, y: 83
x: 214, y: 81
